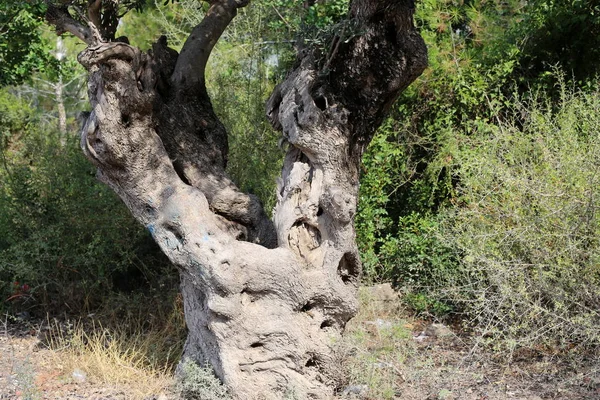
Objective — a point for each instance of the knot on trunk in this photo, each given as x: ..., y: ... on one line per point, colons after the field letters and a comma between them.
x: 104, y: 51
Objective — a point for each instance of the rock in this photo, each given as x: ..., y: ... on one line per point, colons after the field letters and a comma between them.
x: 355, y: 389
x: 380, y: 323
x: 421, y: 337
x: 383, y: 292
x: 439, y: 331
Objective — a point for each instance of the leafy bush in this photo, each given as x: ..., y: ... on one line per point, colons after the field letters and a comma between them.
x: 409, y: 168
x: 560, y: 33
x: 198, y: 383
x: 383, y: 172
x: 421, y: 259
x: 528, y: 228
x: 479, y: 64
x: 65, y: 236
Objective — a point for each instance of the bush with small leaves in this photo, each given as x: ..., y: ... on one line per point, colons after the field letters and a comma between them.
x: 200, y: 383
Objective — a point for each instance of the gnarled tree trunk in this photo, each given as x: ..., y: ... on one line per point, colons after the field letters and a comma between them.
x: 264, y: 300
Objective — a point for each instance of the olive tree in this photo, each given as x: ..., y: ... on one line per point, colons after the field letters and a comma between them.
x: 265, y: 298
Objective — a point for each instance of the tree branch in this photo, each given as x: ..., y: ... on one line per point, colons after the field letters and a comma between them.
x: 62, y: 20
x: 94, y: 12
x: 356, y: 85
x: 189, y: 71
x: 196, y: 140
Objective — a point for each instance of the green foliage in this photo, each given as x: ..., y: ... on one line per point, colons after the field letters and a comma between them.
x: 294, y: 17
x: 14, y: 117
x: 240, y: 78
x: 561, y: 33
x: 409, y: 166
x: 418, y: 254
x: 22, y: 46
x: 59, y: 224
x: 197, y: 383
x: 323, y: 14
x: 528, y: 230
x: 392, y: 198
x: 144, y: 28
x: 482, y: 56
x: 382, y: 169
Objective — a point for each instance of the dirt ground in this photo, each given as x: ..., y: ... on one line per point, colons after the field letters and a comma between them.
x: 410, y: 359
x: 446, y: 369
x: 420, y: 361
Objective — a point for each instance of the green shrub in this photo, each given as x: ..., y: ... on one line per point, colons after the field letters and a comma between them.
x: 528, y: 228
x: 23, y: 48
x: 383, y: 171
x: 65, y: 237
x: 420, y: 260
x: 197, y: 383
x: 559, y: 33
x: 409, y: 168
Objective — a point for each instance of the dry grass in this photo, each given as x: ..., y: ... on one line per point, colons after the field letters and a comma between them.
x: 390, y: 355
x: 380, y: 341
x: 137, y: 359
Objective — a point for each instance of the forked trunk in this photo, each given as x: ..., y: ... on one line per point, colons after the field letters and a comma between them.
x: 265, y: 301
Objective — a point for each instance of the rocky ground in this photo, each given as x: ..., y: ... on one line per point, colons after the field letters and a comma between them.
x: 387, y: 355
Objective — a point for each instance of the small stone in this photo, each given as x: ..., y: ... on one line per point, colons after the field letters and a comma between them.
x: 421, y: 337
x: 383, y: 292
x: 355, y: 389
x: 438, y: 331
x: 79, y: 375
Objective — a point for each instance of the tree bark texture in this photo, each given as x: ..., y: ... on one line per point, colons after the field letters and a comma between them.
x: 265, y: 300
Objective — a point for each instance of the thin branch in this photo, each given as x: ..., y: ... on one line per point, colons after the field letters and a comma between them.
x: 282, y: 18
x: 94, y: 12
x: 191, y: 64
x: 334, y: 48
x: 63, y: 22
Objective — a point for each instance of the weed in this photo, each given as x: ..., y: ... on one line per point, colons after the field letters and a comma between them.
x: 25, y: 381
x: 528, y: 231
x: 200, y: 383
x: 142, y: 361
x: 377, y: 343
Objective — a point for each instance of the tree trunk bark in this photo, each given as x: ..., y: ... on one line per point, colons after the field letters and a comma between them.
x: 60, y: 104
x: 265, y: 301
